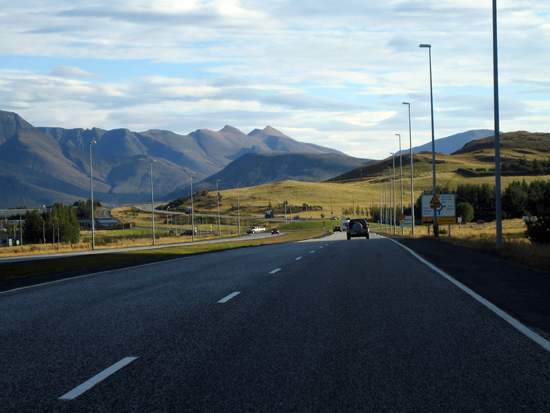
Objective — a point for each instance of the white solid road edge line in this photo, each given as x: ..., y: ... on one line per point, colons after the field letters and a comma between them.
x: 87, y: 385
x: 229, y: 297
x: 506, y: 317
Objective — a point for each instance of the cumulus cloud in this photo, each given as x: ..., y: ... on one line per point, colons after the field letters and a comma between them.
x: 72, y: 72
x: 335, y: 74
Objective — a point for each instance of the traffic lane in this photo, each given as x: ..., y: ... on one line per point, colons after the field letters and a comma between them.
x: 390, y: 335
x: 79, y: 326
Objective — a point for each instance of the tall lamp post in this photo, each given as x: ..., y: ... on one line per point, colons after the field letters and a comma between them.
x: 393, y: 207
x: 238, y: 210
x: 218, y: 199
x: 498, y: 201
x: 306, y: 203
x: 192, y: 211
x: 436, y: 225
x: 411, y: 161
x: 92, y: 196
x: 380, y: 210
x: 401, y: 170
x: 152, y: 202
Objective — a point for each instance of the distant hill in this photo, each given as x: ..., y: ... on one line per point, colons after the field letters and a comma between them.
x: 518, y: 150
x: 43, y: 165
x: 260, y: 168
x: 521, y: 142
x: 449, y: 144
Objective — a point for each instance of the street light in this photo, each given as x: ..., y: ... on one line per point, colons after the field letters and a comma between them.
x: 284, y: 203
x: 306, y: 203
x: 436, y: 226
x: 386, y: 209
x: 92, y: 196
x: 380, y: 210
x: 218, y: 199
x: 192, y: 211
x: 393, y: 213
x: 238, y: 210
x: 401, y: 169
x: 498, y: 200
x: 152, y: 202
x: 411, y: 160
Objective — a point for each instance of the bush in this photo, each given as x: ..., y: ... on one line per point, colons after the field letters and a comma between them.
x: 466, y: 211
x: 539, y: 231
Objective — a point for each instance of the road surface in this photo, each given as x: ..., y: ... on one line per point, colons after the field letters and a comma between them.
x: 325, y: 325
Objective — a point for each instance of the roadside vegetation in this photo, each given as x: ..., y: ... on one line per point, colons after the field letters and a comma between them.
x: 469, y: 173
x: 34, y: 268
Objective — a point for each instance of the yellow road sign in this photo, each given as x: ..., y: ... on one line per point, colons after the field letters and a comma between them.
x: 440, y: 220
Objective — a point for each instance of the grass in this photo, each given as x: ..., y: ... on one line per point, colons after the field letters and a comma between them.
x: 515, y: 246
x: 34, y: 268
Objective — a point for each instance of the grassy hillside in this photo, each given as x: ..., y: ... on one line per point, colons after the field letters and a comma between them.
x: 361, y: 186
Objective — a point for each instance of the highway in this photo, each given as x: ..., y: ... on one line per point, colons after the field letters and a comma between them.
x: 324, y: 325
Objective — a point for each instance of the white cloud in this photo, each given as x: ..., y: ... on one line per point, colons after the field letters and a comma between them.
x: 72, y: 72
x: 335, y: 74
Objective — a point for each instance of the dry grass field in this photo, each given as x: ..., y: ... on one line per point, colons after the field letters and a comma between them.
x: 364, y: 187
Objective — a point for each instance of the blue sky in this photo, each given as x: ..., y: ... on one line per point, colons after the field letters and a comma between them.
x: 330, y: 73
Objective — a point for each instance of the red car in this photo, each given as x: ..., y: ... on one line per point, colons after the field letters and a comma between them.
x: 275, y: 231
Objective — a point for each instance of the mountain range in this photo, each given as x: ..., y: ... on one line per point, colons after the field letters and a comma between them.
x: 451, y: 143
x: 258, y: 168
x: 43, y: 165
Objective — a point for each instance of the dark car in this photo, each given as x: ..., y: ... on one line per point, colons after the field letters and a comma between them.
x: 337, y: 228
x: 188, y: 232
x: 275, y: 231
x: 358, y: 227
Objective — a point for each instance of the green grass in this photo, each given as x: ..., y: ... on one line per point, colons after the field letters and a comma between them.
x: 85, y: 263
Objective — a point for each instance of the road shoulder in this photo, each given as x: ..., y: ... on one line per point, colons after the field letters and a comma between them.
x: 520, y: 291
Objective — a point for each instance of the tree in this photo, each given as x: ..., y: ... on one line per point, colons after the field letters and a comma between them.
x: 515, y: 200
x: 33, y: 228
x: 62, y: 220
x: 466, y: 211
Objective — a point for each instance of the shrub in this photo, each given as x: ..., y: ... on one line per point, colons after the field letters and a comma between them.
x: 539, y: 231
x: 466, y: 211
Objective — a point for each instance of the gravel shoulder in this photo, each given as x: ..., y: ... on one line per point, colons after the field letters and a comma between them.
x: 520, y: 291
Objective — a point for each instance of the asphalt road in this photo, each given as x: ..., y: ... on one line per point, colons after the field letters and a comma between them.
x: 320, y: 326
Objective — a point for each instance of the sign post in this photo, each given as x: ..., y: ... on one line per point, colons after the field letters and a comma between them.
x: 444, y: 206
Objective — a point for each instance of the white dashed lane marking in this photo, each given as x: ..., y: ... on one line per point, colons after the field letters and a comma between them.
x: 229, y: 297
x: 87, y: 385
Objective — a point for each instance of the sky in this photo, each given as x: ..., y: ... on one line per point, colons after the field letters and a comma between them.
x: 334, y: 74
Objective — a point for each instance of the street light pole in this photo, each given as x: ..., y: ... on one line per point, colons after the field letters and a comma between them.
x: 401, y: 170
x: 92, y: 196
x: 192, y: 211
x: 436, y: 226
x: 152, y: 202
x: 498, y: 201
x: 238, y: 210
x: 218, y: 199
x: 411, y: 161
x: 284, y: 192
x: 393, y: 213
x: 306, y: 203
x: 380, y: 210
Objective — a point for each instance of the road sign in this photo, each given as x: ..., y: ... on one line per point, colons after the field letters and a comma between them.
x: 402, y: 216
x: 440, y: 221
x: 443, y: 204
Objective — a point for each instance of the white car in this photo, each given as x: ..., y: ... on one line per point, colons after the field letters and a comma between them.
x: 254, y: 230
